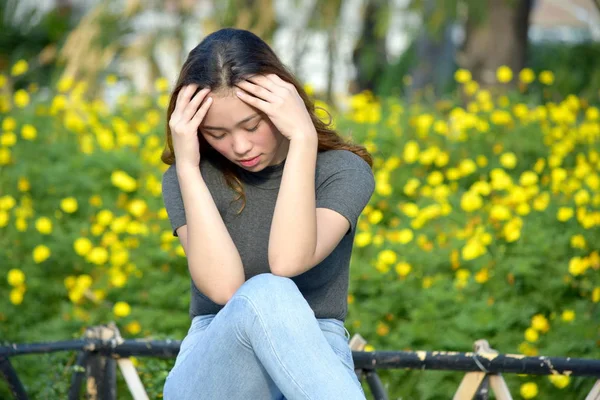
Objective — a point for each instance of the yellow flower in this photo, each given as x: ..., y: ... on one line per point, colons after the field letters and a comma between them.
x: 19, y: 68
x: 405, y: 236
x: 15, y: 277
x: 387, y: 256
x: 568, y: 315
x: 529, y: 390
x: 592, y: 114
x: 528, y: 178
x: 137, y: 207
x: 578, y: 266
x: 83, y: 281
x: 504, y: 74
x: 21, y: 98
x: 482, y: 276
x: 403, y: 268
x: 467, y: 167
x: 462, y: 75
x: 546, y: 77
x: 44, y: 225
x: 500, y: 212
x: 96, y: 201
x: 5, y: 156
x: 540, y: 323
x: 121, y: 309
x: 8, y: 139
x: 161, y: 84
x: 16, y: 296
x: 9, y: 124
x: 410, y: 188
x: 471, y: 88
x: 508, y: 160
x: 540, y: 203
x: 23, y: 185
x: 64, y: 84
x: 123, y: 181
x: 596, y: 294
x: 512, y: 230
x: 375, y: 217
x: 560, y: 381
x: 526, y: 75
x: 363, y: 239
x: 28, y: 132
x: 501, y: 117
x: 82, y: 246
x: 104, y: 217
x: 578, y: 242
x: 118, y: 279
x: 133, y: 327
x: 98, y: 255
x: 531, y: 335
x: 473, y: 249
x: 69, y: 205
x: 435, y: 178
x: 471, y: 201
x: 41, y: 253
x: 564, y: 214
x: 411, y: 152
x: 410, y: 209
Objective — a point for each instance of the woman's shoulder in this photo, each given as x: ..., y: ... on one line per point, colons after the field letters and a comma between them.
x: 331, y: 161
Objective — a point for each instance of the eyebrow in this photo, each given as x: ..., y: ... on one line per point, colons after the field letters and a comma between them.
x: 216, y: 128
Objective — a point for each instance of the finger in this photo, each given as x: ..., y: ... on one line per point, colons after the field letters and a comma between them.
x: 254, y: 101
x: 180, y: 103
x: 201, y: 113
x: 277, y: 80
x: 266, y: 82
x: 259, y: 91
x: 193, y: 105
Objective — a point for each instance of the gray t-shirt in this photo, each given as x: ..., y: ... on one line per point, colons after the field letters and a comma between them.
x: 344, y: 182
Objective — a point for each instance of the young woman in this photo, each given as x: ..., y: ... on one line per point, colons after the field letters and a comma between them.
x: 264, y: 199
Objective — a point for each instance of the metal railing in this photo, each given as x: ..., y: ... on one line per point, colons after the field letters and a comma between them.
x: 103, y: 349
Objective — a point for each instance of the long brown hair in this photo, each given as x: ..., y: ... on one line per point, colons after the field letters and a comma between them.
x: 221, y: 60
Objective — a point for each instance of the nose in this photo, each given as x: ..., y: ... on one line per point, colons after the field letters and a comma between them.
x: 241, y: 145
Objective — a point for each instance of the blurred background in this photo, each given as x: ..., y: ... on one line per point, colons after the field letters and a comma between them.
x: 482, y: 118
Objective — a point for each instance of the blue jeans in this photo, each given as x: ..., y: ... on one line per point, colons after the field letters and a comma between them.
x: 264, y: 344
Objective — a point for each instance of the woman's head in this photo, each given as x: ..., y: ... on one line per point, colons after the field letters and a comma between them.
x: 223, y: 59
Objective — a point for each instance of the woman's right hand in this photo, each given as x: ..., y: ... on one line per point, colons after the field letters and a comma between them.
x: 184, y: 123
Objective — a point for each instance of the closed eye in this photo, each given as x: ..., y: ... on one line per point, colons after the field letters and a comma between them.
x: 255, y: 128
x: 248, y: 129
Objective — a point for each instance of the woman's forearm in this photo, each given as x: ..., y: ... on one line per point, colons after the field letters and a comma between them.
x: 293, y: 236
x: 213, y: 260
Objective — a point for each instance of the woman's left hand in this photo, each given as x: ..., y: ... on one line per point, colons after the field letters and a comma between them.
x: 280, y: 101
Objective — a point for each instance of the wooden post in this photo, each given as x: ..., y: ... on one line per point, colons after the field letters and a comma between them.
x: 476, y: 385
x: 101, y: 371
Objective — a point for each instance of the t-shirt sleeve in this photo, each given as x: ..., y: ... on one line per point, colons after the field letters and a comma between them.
x: 347, y: 192
x: 172, y: 198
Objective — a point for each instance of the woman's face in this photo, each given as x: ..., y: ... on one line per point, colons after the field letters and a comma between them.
x: 241, y: 132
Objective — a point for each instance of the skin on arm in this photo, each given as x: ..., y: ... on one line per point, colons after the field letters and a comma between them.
x: 214, y: 263
x: 301, y: 236
x: 213, y: 260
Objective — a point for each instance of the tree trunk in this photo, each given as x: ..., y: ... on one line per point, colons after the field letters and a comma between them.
x: 369, y: 56
x: 499, y: 39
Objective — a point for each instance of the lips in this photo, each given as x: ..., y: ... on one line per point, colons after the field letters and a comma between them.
x: 248, y: 159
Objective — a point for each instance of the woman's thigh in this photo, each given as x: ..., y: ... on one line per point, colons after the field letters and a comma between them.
x: 215, y: 361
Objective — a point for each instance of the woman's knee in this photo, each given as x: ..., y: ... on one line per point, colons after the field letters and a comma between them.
x: 269, y: 289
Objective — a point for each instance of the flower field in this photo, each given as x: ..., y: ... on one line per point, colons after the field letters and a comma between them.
x: 485, y: 223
